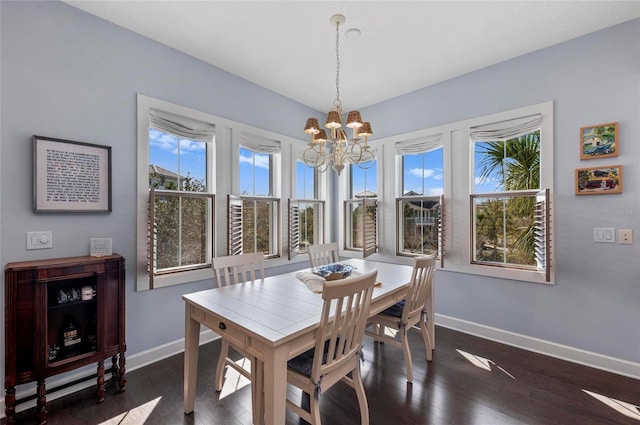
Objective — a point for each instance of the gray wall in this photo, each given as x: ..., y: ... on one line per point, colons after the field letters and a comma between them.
x: 70, y: 75
x: 594, y: 79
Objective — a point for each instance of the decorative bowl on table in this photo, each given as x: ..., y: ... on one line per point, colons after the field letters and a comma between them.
x: 333, y: 271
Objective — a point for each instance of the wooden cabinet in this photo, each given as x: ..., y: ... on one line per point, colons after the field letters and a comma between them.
x: 61, y: 314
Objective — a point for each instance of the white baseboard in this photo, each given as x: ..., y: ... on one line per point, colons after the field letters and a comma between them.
x: 552, y: 349
x: 133, y: 362
x: 575, y: 355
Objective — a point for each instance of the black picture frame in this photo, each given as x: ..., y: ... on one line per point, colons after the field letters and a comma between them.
x: 71, y: 176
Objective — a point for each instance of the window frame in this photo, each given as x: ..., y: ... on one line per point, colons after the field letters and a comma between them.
x: 145, y: 105
x: 321, y: 199
x: 275, y: 173
x: 457, y: 162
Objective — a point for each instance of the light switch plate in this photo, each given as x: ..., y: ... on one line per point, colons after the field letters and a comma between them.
x: 39, y: 240
x: 604, y: 234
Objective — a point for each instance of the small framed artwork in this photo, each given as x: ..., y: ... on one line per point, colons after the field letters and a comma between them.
x: 599, y: 141
x: 70, y: 176
x: 599, y: 180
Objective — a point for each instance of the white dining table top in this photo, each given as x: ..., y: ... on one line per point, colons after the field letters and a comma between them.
x: 276, y: 309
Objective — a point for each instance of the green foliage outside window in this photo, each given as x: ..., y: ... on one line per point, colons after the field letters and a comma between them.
x: 180, y: 223
x: 504, y: 225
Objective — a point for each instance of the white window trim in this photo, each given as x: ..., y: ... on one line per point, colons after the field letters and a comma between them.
x: 322, y: 181
x: 344, y: 193
x: 144, y: 105
x: 458, y: 156
x: 225, y: 161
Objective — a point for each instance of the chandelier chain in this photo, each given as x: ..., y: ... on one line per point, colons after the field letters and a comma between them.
x: 337, y: 149
x: 337, y: 103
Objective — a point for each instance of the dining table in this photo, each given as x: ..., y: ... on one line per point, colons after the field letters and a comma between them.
x: 272, y: 320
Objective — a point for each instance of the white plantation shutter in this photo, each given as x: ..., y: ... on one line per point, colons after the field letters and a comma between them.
x: 234, y: 225
x: 441, y: 231
x: 294, y: 228
x: 542, y: 222
x: 370, y: 227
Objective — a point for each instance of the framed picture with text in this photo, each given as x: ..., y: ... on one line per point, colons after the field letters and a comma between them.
x: 70, y: 176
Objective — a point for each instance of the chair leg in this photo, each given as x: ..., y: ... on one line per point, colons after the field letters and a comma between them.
x: 224, y: 353
x: 314, y: 410
x: 379, y: 333
x: 427, y: 340
x: 362, y: 396
x: 404, y: 340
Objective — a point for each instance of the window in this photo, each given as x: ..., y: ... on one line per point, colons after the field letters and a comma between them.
x: 497, y: 222
x: 306, y: 211
x: 254, y: 214
x: 419, y: 208
x: 180, y: 203
x: 360, y: 211
x: 509, y: 179
x: 176, y: 193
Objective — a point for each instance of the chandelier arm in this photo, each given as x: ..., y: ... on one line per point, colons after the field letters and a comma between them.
x: 367, y: 161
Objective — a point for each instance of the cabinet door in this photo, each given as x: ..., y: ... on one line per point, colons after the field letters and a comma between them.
x: 109, y: 296
x: 71, y: 311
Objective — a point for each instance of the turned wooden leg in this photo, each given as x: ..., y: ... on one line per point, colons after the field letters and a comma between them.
x: 122, y: 380
x: 10, y: 405
x: 100, y: 383
x: 114, y: 368
x: 42, y: 402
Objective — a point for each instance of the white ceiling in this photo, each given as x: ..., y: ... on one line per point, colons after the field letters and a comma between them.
x: 289, y: 46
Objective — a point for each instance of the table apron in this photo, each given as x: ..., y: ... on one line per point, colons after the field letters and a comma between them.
x: 247, y: 344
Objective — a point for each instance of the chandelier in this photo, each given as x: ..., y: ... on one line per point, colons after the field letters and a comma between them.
x: 338, y: 149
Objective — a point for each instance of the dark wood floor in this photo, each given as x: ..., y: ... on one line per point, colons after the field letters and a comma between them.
x: 521, y: 388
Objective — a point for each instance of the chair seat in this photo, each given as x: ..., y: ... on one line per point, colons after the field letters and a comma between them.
x: 395, y: 310
x: 303, y: 363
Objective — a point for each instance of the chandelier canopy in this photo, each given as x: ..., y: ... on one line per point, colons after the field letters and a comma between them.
x: 338, y: 149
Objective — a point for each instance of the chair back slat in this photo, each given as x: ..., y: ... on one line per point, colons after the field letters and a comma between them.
x: 420, y: 286
x: 233, y: 269
x: 322, y: 254
x: 343, y: 321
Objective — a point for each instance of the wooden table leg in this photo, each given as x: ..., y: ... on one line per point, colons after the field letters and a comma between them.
x: 257, y: 391
x: 275, y: 385
x: 191, y: 346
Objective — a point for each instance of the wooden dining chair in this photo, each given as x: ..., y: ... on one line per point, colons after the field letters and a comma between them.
x: 231, y: 270
x: 322, y: 254
x: 337, y: 352
x: 409, y: 312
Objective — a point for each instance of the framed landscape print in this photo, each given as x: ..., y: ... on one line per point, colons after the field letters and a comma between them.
x: 70, y: 176
x: 599, y: 180
x: 599, y: 141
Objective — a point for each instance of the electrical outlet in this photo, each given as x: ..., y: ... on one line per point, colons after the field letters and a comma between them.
x: 625, y: 236
x: 39, y: 240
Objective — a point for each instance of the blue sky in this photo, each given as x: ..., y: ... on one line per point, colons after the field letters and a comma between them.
x: 188, y: 159
x: 254, y: 168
